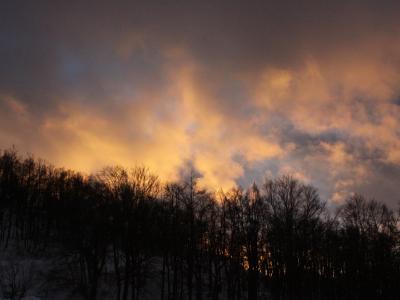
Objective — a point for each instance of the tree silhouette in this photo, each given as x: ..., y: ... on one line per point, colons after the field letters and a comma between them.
x: 124, y: 234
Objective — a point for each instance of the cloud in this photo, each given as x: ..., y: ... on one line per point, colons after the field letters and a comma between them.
x: 142, y: 130
x: 351, y: 97
x: 236, y: 90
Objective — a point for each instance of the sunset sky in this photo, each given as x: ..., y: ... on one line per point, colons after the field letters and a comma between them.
x: 237, y: 90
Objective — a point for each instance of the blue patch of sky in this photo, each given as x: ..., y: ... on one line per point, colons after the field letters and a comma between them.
x: 105, y: 75
x: 8, y: 40
x: 234, y: 97
x: 72, y: 69
x: 258, y: 172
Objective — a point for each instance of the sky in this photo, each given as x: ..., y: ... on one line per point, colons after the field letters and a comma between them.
x: 238, y: 91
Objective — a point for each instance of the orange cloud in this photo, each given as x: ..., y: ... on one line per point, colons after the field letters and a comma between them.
x: 164, y: 138
x: 284, y: 120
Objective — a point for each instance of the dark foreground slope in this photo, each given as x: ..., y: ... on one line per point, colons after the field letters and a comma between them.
x: 120, y: 234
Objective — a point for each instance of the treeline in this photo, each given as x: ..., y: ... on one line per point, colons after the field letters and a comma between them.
x: 122, y: 231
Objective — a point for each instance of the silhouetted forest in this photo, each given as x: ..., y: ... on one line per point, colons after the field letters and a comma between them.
x: 121, y: 234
